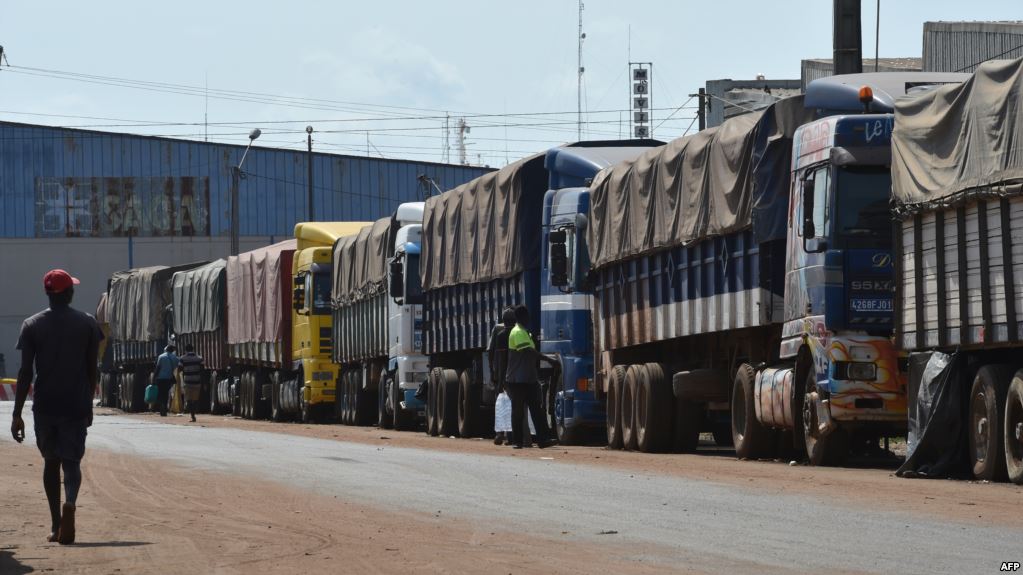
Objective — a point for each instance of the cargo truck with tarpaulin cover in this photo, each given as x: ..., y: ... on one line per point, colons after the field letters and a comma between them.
x: 957, y: 179
x: 278, y: 326
x: 378, y: 339
x: 137, y: 309
x: 743, y: 275
x: 199, y: 297
x: 482, y: 250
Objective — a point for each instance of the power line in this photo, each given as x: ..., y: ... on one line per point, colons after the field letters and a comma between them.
x: 963, y: 69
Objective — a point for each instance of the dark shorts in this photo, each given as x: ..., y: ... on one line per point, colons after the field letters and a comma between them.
x: 61, y: 437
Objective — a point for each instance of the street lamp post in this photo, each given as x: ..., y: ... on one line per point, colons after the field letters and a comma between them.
x: 309, y: 131
x: 236, y: 174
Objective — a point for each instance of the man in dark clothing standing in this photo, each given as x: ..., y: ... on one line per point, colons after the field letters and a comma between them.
x: 522, y: 382
x: 163, y: 376
x: 497, y: 355
x: 61, y: 345
x: 190, y: 366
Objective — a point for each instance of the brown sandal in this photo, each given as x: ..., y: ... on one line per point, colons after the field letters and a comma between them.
x: 66, y: 535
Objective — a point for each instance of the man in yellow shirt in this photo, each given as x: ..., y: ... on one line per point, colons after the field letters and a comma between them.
x: 522, y: 382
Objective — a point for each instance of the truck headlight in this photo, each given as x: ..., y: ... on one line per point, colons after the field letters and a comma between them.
x: 857, y: 370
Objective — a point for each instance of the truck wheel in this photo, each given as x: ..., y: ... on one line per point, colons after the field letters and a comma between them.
x: 613, y: 410
x: 987, y: 412
x: 468, y: 406
x: 628, y: 406
x: 364, y: 402
x: 566, y: 435
x: 348, y: 403
x: 433, y: 388
x: 447, y: 401
x: 1014, y: 429
x: 276, y: 412
x: 751, y: 439
x: 403, y: 420
x: 654, y: 402
x: 831, y: 449
x: 385, y: 418
x: 243, y: 395
x: 139, y: 383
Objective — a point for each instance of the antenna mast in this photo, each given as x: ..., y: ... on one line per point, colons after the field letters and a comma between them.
x: 579, y: 79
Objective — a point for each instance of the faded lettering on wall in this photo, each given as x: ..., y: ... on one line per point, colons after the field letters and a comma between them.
x: 111, y: 207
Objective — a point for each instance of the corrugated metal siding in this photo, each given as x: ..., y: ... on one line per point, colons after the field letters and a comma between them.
x: 961, y: 46
x: 273, y: 195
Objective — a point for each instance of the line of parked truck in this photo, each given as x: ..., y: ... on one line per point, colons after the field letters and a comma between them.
x: 763, y: 281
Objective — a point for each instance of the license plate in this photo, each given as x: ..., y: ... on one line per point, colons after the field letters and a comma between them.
x: 328, y: 392
x: 872, y: 304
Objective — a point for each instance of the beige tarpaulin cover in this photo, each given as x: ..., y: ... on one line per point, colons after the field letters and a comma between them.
x: 961, y: 141
x: 484, y: 229
x: 198, y: 296
x: 255, y: 293
x: 707, y: 184
x: 137, y: 301
x: 360, y: 262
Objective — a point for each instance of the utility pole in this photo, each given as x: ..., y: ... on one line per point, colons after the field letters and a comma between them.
x: 446, y: 152
x: 579, y: 78
x: 847, y: 37
x: 309, y: 178
x: 463, y: 129
x: 701, y: 115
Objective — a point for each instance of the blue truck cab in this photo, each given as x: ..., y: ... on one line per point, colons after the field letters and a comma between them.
x: 566, y: 328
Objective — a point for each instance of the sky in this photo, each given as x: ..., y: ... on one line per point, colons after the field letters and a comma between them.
x: 381, y: 77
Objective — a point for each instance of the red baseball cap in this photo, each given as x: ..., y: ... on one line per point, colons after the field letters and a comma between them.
x: 57, y: 281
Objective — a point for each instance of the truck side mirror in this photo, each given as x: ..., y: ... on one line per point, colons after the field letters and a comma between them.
x: 396, y: 279
x: 559, y: 258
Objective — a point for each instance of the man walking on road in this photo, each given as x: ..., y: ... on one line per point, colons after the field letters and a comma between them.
x: 191, y: 378
x: 61, y: 345
x: 163, y: 376
x: 522, y: 382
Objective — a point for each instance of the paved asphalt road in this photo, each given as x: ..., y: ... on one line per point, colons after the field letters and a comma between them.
x: 674, y: 521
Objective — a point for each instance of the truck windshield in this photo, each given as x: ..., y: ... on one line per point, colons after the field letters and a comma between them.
x: 862, y: 213
x: 321, y: 293
x: 413, y: 287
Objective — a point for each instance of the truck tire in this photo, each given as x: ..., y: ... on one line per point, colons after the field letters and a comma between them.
x: 433, y: 390
x: 653, y: 404
x: 468, y: 406
x: 613, y: 409
x: 364, y: 401
x: 138, y: 391
x: 628, y: 405
x: 213, y: 393
x: 403, y: 420
x: 385, y: 418
x: 276, y: 411
x: 986, y: 422
x: 1013, y: 438
x: 751, y: 439
x: 244, y: 395
x: 349, y: 399
x: 829, y: 450
x: 447, y: 401
x: 566, y: 435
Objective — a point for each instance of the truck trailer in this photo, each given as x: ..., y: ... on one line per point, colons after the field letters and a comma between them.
x: 743, y: 283
x: 200, y: 320
x: 278, y: 326
x: 137, y: 311
x: 377, y: 338
x: 482, y: 246
x: 957, y: 179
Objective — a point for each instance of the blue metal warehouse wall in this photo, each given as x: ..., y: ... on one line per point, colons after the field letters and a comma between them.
x: 58, y: 182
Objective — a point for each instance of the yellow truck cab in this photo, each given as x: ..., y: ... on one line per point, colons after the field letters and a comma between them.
x: 315, y: 372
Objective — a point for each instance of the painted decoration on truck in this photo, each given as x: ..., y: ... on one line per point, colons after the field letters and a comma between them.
x: 117, y: 207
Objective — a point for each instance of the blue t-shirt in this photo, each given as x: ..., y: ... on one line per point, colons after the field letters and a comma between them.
x: 166, y: 364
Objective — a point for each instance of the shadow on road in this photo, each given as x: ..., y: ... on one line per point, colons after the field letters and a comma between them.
x: 110, y: 544
x: 11, y: 566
